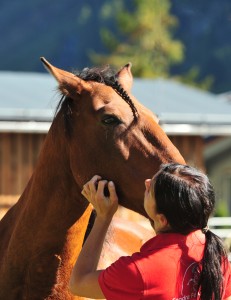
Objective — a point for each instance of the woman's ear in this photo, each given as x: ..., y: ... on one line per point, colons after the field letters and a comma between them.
x: 163, y: 220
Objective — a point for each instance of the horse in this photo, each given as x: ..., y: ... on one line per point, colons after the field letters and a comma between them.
x: 99, y: 128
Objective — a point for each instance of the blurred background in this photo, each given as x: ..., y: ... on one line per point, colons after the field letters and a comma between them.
x: 181, y: 56
x: 187, y: 39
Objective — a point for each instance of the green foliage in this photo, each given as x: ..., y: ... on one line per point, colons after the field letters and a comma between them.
x: 221, y: 209
x: 144, y: 37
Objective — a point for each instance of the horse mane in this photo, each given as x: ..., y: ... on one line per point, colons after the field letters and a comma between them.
x: 105, y: 75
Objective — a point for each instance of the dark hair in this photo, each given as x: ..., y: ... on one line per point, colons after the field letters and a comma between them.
x: 186, y: 197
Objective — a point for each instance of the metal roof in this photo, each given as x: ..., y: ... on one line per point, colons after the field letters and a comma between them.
x: 27, y: 96
x: 28, y: 101
x: 184, y: 109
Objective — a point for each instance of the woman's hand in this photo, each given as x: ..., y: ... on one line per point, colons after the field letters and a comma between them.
x: 85, y: 276
x: 93, y: 191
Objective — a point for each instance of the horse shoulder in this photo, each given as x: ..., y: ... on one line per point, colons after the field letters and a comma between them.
x: 124, y: 237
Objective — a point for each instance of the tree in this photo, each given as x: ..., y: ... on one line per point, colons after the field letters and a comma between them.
x: 143, y: 35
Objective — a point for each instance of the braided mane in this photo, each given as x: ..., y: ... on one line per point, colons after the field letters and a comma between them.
x: 107, y: 76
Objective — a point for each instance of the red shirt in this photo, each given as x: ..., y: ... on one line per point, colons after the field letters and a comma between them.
x: 166, y: 268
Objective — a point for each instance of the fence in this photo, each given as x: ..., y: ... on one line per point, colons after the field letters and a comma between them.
x: 221, y: 226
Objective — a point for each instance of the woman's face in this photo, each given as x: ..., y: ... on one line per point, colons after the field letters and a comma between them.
x: 160, y: 221
x: 149, y: 201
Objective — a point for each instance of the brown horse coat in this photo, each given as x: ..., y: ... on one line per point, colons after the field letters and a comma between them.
x: 42, y: 234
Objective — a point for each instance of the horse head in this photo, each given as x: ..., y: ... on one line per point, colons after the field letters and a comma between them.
x: 109, y: 132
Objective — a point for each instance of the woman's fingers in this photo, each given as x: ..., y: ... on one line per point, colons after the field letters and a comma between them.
x: 90, y: 186
x: 94, y: 192
x: 112, y: 191
x: 93, y: 184
x: 100, y: 190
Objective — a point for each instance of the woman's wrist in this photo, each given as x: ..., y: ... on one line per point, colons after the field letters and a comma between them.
x: 104, y: 219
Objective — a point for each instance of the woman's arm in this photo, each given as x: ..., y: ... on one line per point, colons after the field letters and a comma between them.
x: 84, y: 277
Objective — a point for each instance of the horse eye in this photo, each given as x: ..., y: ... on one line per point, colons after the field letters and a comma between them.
x: 110, y: 120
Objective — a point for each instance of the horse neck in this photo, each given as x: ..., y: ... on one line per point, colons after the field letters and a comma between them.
x: 43, y: 233
x: 53, y: 185
x: 51, y: 213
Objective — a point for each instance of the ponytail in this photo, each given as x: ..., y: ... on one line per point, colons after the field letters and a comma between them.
x: 186, y: 197
x: 211, y: 279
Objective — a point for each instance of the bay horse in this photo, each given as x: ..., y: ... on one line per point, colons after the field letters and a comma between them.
x: 99, y: 128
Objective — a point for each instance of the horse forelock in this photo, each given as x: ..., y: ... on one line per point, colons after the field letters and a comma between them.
x: 105, y: 75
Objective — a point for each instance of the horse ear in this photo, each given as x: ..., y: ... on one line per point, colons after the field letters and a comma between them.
x: 69, y: 84
x: 125, y: 77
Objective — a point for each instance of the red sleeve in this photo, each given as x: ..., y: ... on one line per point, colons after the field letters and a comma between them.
x: 122, y: 280
x: 228, y: 285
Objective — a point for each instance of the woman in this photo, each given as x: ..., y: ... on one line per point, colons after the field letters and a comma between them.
x: 185, y: 260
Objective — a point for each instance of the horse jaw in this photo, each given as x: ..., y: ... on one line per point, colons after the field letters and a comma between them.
x: 69, y: 84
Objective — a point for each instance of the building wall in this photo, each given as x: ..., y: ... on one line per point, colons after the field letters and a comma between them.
x: 191, y: 148
x: 220, y: 177
x: 219, y: 171
x: 18, y: 156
